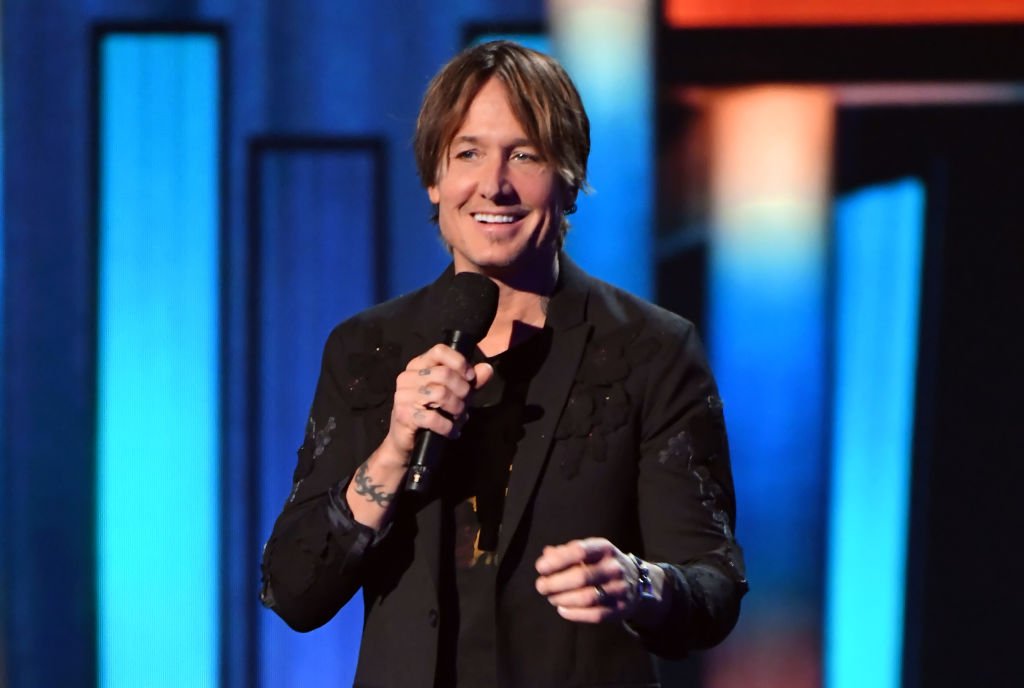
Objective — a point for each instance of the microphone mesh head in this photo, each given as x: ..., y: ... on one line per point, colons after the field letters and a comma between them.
x: 470, y: 305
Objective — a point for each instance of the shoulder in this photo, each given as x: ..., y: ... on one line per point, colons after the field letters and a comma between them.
x: 633, y: 339
x: 389, y: 320
x: 611, y: 308
x: 363, y: 354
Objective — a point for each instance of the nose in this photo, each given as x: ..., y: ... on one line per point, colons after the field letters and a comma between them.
x: 493, y: 183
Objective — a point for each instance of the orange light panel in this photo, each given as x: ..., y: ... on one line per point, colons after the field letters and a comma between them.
x: 686, y: 14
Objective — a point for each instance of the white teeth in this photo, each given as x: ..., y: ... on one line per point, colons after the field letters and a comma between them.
x: 484, y: 217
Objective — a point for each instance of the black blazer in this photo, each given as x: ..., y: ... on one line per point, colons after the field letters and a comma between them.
x: 625, y: 439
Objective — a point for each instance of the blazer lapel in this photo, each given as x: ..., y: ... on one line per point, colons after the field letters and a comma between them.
x: 547, y: 395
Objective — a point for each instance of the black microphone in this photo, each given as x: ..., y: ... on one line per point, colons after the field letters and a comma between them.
x: 466, y: 314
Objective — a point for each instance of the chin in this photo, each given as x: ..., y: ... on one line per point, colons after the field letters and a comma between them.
x: 493, y: 263
x: 506, y: 264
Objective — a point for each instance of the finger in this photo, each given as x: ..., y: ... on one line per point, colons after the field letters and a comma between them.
x: 614, y: 596
x: 433, y: 421
x: 561, y: 557
x: 572, y: 578
x: 433, y: 396
x: 430, y: 381
x: 580, y: 576
x: 591, y: 615
x: 413, y: 418
x: 444, y: 356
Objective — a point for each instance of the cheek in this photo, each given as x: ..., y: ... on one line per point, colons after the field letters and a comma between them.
x: 451, y: 193
x: 449, y: 223
x: 542, y: 192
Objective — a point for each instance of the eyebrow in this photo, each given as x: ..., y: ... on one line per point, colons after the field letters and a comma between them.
x: 475, y: 140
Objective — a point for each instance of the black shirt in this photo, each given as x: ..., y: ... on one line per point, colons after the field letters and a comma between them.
x: 474, y: 484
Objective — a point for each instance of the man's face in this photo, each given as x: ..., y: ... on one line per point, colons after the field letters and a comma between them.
x: 499, y: 202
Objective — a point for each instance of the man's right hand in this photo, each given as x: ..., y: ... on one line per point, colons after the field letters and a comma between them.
x: 430, y: 394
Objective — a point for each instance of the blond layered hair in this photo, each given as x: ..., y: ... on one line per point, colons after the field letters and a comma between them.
x: 541, y: 95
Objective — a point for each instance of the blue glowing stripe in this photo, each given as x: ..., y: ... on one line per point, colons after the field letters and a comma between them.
x: 879, y: 233
x: 766, y: 342
x: 317, y: 224
x: 606, y: 48
x: 158, y: 375
x: 3, y: 488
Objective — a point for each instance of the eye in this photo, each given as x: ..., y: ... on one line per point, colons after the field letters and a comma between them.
x: 524, y: 156
x: 467, y: 154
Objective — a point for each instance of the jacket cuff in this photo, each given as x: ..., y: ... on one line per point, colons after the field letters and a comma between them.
x: 344, y: 523
x: 667, y: 639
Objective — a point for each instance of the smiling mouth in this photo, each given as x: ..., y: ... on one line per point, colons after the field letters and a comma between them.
x: 495, y: 219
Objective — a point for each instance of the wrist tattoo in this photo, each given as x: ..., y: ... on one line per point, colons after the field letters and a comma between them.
x: 370, y: 491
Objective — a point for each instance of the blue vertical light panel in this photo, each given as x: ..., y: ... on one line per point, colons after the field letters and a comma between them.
x: 157, y: 511
x: 2, y: 165
x: 769, y: 153
x: 605, y: 46
x: 318, y: 221
x: 2, y: 358
x: 879, y: 234
x: 770, y: 156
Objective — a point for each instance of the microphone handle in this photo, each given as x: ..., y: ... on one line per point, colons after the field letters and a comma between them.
x: 426, y: 453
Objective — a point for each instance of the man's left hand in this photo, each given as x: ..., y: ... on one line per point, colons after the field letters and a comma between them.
x: 592, y: 581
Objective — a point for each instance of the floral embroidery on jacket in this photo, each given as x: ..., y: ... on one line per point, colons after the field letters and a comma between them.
x: 698, y: 447
x: 598, y: 403
x: 313, y: 446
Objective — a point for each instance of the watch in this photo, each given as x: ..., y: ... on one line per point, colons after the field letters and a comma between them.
x: 644, y: 584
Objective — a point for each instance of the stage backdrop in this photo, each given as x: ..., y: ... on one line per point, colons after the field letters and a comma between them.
x: 194, y: 193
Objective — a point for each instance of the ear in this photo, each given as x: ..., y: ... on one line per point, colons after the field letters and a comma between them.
x: 434, y: 195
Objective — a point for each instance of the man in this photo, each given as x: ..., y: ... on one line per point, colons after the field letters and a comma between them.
x: 582, y: 516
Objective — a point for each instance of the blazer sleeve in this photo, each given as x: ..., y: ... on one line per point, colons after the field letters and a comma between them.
x: 686, y: 500
x: 314, y: 560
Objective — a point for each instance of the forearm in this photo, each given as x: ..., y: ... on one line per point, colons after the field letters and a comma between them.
x: 313, y: 562
x: 371, y: 493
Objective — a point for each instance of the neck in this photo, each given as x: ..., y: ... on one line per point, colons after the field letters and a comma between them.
x: 522, y: 307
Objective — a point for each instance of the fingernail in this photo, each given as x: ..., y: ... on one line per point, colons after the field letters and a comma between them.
x: 470, y: 374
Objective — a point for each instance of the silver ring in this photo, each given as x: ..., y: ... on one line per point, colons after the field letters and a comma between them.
x: 602, y: 596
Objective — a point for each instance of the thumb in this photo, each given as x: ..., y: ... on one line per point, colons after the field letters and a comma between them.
x: 484, y: 372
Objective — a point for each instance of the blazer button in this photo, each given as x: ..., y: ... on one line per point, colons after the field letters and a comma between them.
x: 432, y: 617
